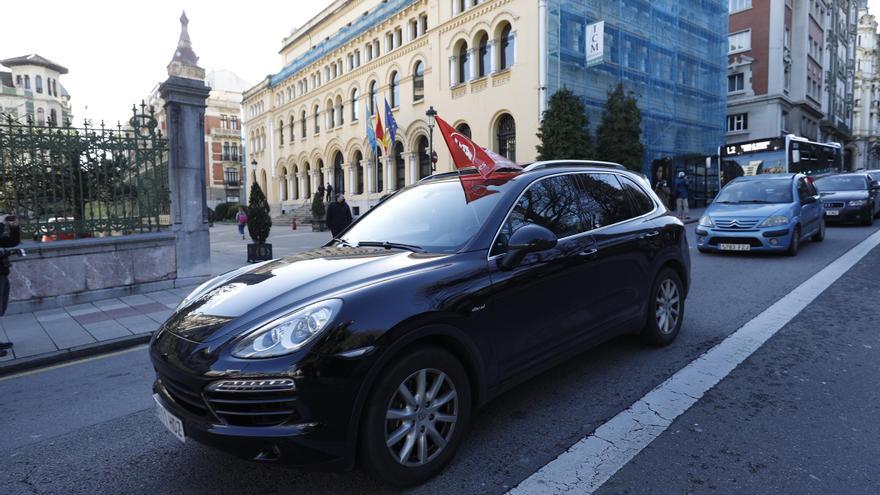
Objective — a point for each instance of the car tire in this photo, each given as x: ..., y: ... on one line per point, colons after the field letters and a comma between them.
x: 869, y: 220
x: 795, y: 244
x: 819, y: 236
x: 703, y: 250
x: 426, y: 419
x: 667, y: 290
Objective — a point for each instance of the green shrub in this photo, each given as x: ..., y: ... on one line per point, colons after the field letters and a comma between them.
x: 318, y: 210
x: 259, y: 222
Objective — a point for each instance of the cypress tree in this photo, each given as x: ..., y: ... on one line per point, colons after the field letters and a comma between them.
x: 619, y: 136
x: 564, y: 131
x: 259, y: 222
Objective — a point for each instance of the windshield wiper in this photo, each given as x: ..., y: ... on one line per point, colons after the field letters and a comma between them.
x: 343, y: 242
x: 391, y: 245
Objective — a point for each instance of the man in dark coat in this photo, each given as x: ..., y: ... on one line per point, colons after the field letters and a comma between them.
x: 10, y: 236
x: 320, y: 191
x: 338, y: 215
x: 329, y: 192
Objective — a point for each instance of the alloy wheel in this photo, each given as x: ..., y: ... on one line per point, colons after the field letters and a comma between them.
x: 668, y: 306
x: 421, y: 417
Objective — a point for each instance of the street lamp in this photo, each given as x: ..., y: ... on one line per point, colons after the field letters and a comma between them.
x: 431, y: 113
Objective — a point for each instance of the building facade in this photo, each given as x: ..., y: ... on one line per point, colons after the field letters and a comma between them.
x: 32, y: 90
x: 790, y: 68
x: 223, y: 135
x: 487, y: 67
x: 866, y: 86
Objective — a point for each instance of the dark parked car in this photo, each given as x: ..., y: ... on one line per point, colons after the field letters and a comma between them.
x: 379, y: 345
x: 853, y: 197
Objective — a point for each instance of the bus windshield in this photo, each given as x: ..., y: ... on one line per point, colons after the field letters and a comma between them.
x: 762, y: 162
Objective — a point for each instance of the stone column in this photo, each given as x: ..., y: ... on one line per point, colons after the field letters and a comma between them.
x: 473, y: 53
x: 349, y: 178
x: 389, y: 174
x: 493, y: 57
x: 301, y: 183
x: 453, y: 71
x: 185, y: 94
x: 369, y: 182
x: 413, y: 167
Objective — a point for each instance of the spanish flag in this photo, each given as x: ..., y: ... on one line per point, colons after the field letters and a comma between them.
x: 380, y: 133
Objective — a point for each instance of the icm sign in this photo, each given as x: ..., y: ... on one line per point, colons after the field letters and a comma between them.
x: 595, y: 43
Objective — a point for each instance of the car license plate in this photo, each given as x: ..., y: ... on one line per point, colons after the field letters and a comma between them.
x: 832, y: 213
x: 734, y: 247
x: 172, y: 422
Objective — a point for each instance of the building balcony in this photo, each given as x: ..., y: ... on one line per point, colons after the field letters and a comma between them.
x: 220, y: 132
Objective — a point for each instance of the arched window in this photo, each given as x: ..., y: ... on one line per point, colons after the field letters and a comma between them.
x: 302, y: 125
x: 506, y: 137
x: 424, y: 159
x: 464, y: 65
x: 379, y: 172
x: 281, y: 132
x: 359, y: 179
x: 395, y: 89
x: 38, y: 83
x: 355, y: 106
x: 338, y: 174
x: 484, y: 64
x: 53, y: 117
x: 331, y: 115
x: 464, y: 129
x: 41, y: 116
x: 292, y: 135
x: 372, y: 103
x: 419, y: 81
x: 55, y: 87
x: 283, y: 180
x: 317, y: 119
x: 506, y: 49
x: 399, y: 166
x: 27, y: 82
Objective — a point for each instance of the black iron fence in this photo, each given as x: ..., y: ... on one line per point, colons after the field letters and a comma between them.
x: 66, y: 182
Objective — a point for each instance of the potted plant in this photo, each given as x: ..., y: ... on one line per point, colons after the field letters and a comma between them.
x: 319, y: 223
x: 259, y: 223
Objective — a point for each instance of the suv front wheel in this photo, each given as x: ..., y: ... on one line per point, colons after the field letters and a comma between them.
x: 415, y: 417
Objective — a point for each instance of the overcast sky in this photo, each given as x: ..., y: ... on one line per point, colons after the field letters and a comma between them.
x: 116, y: 51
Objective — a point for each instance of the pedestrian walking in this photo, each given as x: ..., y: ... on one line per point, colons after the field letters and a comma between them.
x: 320, y: 191
x: 338, y: 216
x: 10, y: 236
x: 242, y: 219
x: 329, y: 193
x: 681, y: 196
x: 663, y: 192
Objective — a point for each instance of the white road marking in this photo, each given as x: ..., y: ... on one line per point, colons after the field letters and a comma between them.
x: 589, y: 463
x: 71, y: 363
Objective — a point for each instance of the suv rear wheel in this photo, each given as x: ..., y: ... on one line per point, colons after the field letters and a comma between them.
x: 415, y: 417
x: 665, y: 308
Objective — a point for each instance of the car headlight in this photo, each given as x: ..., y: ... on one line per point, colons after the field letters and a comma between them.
x: 705, y: 221
x: 775, y: 221
x: 288, y: 333
x: 858, y: 202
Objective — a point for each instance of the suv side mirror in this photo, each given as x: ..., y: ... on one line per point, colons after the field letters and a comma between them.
x: 527, y: 239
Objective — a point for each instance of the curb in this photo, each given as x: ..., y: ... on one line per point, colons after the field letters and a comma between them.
x: 66, y: 355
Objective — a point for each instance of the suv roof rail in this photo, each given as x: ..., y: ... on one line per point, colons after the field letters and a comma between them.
x: 572, y: 163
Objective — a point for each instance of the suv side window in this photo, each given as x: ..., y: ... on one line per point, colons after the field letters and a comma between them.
x: 552, y: 203
x: 603, y: 200
x: 641, y: 201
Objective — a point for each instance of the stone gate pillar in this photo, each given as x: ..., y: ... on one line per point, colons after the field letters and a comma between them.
x: 185, y: 93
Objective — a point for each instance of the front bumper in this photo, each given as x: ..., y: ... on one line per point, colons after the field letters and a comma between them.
x: 848, y: 213
x: 770, y: 239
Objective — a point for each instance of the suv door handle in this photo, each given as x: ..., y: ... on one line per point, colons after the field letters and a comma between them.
x: 648, y: 235
x: 588, y: 253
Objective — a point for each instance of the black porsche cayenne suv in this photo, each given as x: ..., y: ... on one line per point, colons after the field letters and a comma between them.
x: 379, y: 346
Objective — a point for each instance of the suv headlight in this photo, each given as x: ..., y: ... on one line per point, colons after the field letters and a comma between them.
x: 858, y: 202
x: 288, y: 333
x: 775, y: 221
x: 705, y: 221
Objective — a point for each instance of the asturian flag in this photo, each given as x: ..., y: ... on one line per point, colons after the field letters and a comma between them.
x: 392, y: 126
x: 371, y: 134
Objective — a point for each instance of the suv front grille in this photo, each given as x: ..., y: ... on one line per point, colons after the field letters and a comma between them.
x: 183, y: 396
x: 834, y: 205
x: 252, y: 402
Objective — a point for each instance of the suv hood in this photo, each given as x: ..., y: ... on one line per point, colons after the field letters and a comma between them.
x: 283, y: 283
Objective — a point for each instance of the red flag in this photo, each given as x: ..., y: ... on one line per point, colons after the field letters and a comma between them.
x: 476, y: 187
x: 466, y: 153
x: 380, y: 133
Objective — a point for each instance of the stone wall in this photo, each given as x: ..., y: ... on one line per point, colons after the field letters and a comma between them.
x: 70, y: 272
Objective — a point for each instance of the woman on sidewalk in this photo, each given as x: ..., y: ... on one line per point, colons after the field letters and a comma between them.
x: 242, y: 218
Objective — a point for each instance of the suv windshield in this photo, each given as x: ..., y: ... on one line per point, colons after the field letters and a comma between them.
x: 756, y: 191
x: 434, y: 216
x: 841, y: 183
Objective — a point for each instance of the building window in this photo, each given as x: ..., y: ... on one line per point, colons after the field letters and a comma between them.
x: 507, y: 48
x: 464, y: 129
x: 302, y: 125
x: 424, y: 21
x: 18, y: 80
x: 281, y: 133
x: 53, y: 117
x: 234, y: 121
x: 424, y: 159
x: 380, y: 179
x: 372, y: 104
x: 464, y: 65
x: 292, y: 135
x: 738, y: 122
x: 483, y: 62
x: 419, y: 81
x: 225, y: 155
x: 38, y: 83
x: 41, y: 116
x: 737, y: 5
x: 399, y: 166
x: 739, y: 42
x: 394, y: 90
x: 735, y: 83
x: 224, y: 124
x: 27, y: 82
x: 506, y: 136
x: 317, y: 119
x: 355, y: 106
x: 359, y: 180
x: 413, y: 29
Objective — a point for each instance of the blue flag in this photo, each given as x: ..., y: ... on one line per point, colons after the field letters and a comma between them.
x: 371, y: 134
x: 390, y: 124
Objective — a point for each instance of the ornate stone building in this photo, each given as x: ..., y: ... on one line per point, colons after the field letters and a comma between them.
x: 33, y: 89
x: 866, y: 111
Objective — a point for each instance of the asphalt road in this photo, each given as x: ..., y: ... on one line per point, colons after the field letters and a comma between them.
x: 798, y: 408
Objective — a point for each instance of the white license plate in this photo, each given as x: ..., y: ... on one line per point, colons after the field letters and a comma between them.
x: 172, y: 422
x: 734, y: 247
x: 832, y: 213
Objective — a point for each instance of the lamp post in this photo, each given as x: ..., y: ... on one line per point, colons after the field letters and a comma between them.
x: 431, y: 113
